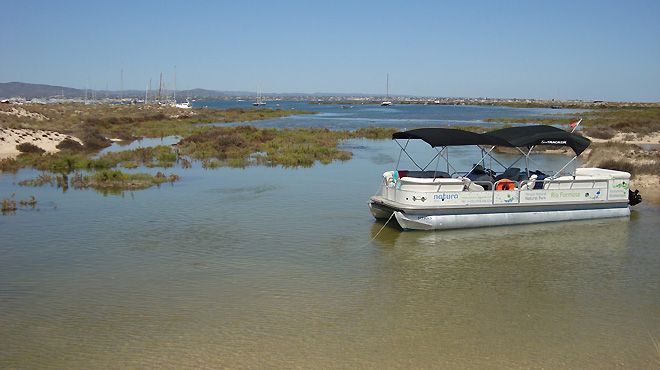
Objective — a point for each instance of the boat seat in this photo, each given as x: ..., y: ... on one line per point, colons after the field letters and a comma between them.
x: 511, y: 173
x: 576, y: 182
x: 485, y: 181
x: 431, y: 185
x: 424, y: 174
x: 601, y: 172
x: 468, y: 185
x: 529, y: 184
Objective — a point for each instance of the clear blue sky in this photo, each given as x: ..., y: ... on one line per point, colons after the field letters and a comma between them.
x: 540, y: 49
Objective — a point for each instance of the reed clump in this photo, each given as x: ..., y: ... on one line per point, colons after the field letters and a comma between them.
x: 624, y: 157
x: 29, y: 202
x: 8, y: 205
x: 69, y: 144
x: 157, y: 156
x: 638, y: 120
x: 9, y: 165
x: 41, y: 180
x: 29, y: 148
x: 240, y: 146
x: 93, y: 140
x: 116, y: 179
x: 95, y: 123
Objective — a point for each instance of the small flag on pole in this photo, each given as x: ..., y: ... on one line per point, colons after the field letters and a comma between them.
x: 574, y: 124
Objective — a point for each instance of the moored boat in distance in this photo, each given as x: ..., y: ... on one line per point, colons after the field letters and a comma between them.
x: 424, y: 199
x: 186, y: 105
x: 259, y: 101
x: 387, y: 101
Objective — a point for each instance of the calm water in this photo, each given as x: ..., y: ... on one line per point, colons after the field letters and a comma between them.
x: 403, y: 116
x: 272, y: 268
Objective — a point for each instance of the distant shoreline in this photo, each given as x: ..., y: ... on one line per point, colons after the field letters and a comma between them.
x: 513, y: 103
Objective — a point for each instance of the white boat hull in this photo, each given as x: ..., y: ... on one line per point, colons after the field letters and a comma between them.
x: 450, y: 203
x: 459, y: 221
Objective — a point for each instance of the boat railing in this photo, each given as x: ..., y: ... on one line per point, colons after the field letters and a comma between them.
x: 521, y: 186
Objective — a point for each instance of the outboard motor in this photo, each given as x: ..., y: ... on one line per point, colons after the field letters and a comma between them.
x: 634, y: 197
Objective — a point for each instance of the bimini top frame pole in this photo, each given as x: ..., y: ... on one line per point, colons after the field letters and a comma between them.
x: 515, y: 137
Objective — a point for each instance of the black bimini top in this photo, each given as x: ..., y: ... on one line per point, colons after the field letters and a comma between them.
x: 526, y: 136
x: 521, y: 136
x: 444, y: 137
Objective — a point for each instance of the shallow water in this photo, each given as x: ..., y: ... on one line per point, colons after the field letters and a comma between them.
x: 403, y: 116
x: 273, y: 268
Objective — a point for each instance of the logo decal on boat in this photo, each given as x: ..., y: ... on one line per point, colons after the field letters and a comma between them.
x: 554, y: 142
x: 445, y: 196
x: 595, y: 196
x: 623, y: 185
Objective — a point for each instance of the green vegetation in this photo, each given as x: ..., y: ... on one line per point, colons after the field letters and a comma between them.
x: 603, y: 123
x: 40, y: 180
x: 8, y: 205
x: 94, y: 123
x: 244, y: 145
x: 548, y: 120
x: 157, y: 156
x: 115, y: 179
x: 235, y: 146
x: 69, y: 144
x: 30, y: 202
x: 624, y: 157
x: 606, y: 123
x: 9, y: 165
x: 29, y: 148
x: 66, y: 162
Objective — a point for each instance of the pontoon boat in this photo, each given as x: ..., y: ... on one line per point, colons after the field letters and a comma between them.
x: 424, y: 199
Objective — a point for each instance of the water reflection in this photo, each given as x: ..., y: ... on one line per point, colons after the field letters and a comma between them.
x: 272, y: 267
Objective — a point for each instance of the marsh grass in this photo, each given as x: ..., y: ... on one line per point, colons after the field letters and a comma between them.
x: 41, y: 180
x: 9, y: 165
x: 549, y: 120
x: 603, y: 123
x: 8, y: 205
x: 29, y: 202
x: 94, y: 123
x: 232, y: 146
x: 116, y: 179
x: 157, y: 156
x: 29, y: 148
x: 241, y: 146
x: 624, y: 157
x: 637, y: 120
x: 66, y: 162
x: 69, y: 144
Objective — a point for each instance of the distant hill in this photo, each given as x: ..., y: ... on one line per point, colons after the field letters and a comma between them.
x: 26, y: 90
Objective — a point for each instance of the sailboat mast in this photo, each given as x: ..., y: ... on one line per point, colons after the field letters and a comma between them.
x: 388, y: 87
x: 160, y: 86
x: 121, y: 85
x: 174, y: 84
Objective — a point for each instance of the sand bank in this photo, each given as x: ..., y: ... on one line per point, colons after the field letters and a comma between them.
x: 46, y: 140
x: 631, y: 138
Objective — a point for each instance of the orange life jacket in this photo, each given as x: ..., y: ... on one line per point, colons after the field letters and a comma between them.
x: 505, y: 184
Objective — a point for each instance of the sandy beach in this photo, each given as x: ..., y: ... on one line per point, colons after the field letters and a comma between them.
x: 46, y: 140
x: 631, y: 138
